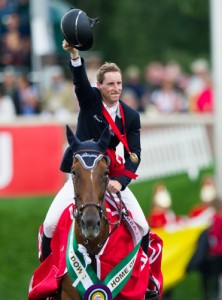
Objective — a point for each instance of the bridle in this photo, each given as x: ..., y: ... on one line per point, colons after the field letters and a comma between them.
x: 79, y: 210
x: 121, y: 208
x: 79, y: 155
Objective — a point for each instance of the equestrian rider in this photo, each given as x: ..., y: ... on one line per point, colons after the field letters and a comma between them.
x: 99, y: 107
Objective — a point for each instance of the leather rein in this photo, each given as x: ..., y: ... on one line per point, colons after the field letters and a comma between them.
x: 121, y: 208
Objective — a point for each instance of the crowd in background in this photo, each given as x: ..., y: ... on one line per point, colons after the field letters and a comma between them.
x: 164, y: 88
x: 15, y: 46
x: 157, y: 88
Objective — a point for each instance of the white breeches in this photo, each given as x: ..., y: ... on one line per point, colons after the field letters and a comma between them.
x: 65, y: 197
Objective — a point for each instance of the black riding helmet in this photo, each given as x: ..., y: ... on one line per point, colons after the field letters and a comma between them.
x: 76, y: 28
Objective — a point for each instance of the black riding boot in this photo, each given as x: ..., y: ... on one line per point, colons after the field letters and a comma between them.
x: 145, y: 243
x: 46, y: 249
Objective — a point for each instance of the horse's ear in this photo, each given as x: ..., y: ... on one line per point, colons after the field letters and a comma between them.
x: 104, y: 140
x: 74, y: 142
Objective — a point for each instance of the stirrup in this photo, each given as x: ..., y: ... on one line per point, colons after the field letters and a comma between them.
x: 55, y: 296
x: 51, y: 298
x: 151, y: 295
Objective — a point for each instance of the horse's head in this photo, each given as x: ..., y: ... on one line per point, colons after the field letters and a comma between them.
x: 90, y: 177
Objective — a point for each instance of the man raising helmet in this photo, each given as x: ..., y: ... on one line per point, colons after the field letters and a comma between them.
x: 101, y: 107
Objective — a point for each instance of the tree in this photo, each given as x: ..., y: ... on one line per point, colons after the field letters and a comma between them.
x: 141, y: 31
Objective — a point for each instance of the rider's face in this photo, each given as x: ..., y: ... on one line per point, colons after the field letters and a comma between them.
x: 111, y: 88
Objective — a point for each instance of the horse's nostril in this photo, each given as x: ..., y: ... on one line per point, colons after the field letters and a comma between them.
x: 83, y: 225
x: 90, y: 225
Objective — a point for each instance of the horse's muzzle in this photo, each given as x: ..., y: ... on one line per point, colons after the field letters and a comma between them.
x: 90, y: 223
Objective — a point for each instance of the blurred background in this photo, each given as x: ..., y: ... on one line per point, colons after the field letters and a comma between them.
x: 169, y: 53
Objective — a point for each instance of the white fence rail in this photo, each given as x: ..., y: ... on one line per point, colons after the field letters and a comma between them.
x: 170, y: 144
x: 173, y: 150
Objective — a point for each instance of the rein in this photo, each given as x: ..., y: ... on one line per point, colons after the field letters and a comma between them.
x: 120, y: 214
x: 121, y: 209
x: 78, y: 211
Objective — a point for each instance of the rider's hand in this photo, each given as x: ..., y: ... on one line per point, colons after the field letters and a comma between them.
x: 114, y: 186
x: 74, y: 53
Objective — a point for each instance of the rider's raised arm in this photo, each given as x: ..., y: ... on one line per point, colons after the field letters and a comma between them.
x: 83, y: 89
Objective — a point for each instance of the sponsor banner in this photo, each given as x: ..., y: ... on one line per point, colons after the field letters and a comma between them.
x: 30, y: 158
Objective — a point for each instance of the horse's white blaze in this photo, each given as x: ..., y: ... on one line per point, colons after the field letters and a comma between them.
x: 91, y: 175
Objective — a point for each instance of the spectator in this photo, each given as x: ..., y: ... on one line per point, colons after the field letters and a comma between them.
x: 205, y: 210
x: 129, y: 97
x: 153, y: 76
x: 179, y: 79
x: 215, y: 232
x: 174, y: 74
x: 57, y: 96
x: 199, y: 91
x: 93, y: 63
x: 161, y: 213
x: 23, y: 11
x: 11, y: 50
x: 7, y: 7
x: 207, y: 255
x: 167, y: 98
x: 10, y: 88
x: 207, y: 258
x: 215, y: 252
x: 133, y: 82
x: 15, y: 38
x: 7, y: 110
x: 204, y: 102
x: 28, y: 96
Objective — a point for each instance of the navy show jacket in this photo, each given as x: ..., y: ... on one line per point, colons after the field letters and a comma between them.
x: 91, y: 123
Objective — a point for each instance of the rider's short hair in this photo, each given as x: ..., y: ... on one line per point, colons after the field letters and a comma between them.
x: 105, y: 68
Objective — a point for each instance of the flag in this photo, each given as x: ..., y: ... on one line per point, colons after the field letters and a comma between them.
x: 179, y: 245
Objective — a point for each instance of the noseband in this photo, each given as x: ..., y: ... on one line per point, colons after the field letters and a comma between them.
x: 79, y: 211
x: 89, y: 160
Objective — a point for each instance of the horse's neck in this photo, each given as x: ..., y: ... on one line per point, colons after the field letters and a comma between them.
x: 92, y: 246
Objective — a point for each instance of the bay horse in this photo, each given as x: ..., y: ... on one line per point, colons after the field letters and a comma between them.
x: 90, y: 174
x: 96, y: 253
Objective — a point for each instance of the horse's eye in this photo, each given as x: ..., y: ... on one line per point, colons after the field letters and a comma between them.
x: 73, y: 172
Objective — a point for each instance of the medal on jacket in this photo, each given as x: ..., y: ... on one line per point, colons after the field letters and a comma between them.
x: 133, y: 156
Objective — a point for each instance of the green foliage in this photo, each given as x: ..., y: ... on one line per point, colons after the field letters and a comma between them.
x: 141, y: 31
